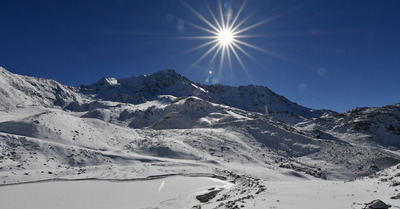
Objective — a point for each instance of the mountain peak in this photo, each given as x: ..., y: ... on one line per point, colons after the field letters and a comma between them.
x: 110, y: 81
x: 159, y: 80
x: 166, y: 72
x: 168, y: 76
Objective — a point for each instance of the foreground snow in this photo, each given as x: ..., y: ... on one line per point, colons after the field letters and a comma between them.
x: 319, y: 194
x: 181, y: 192
x: 171, y: 192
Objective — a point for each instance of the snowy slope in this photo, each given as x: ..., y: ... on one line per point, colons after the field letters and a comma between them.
x: 369, y: 126
x: 21, y: 91
x: 260, y: 99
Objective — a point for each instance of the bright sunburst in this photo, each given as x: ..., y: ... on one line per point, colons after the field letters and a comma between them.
x: 227, y: 30
x: 225, y: 37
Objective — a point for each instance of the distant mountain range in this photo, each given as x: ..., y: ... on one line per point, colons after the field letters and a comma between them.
x: 164, y: 123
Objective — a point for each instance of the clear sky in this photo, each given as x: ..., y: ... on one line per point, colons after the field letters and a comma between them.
x: 331, y: 54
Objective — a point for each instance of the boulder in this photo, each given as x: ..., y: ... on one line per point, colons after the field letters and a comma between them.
x: 396, y: 197
x: 377, y: 204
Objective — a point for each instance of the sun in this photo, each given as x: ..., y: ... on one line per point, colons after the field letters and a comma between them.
x: 228, y: 35
x: 225, y: 37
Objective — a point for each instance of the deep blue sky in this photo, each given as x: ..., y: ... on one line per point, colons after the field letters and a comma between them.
x: 332, y: 54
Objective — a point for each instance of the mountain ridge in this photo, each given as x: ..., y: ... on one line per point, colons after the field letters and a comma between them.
x: 170, y: 82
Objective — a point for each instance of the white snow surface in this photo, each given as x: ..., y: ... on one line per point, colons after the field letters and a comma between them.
x: 171, y: 192
x: 165, y: 124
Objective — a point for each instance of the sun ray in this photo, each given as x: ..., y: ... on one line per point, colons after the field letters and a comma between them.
x: 250, y: 45
x: 198, y: 37
x: 201, y: 46
x: 200, y: 16
x: 204, y: 29
x: 213, y: 16
x: 228, y: 53
x: 261, y: 22
x: 248, y: 55
x: 262, y: 50
x: 205, y: 54
x: 237, y: 15
x: 252, y: 26
x: 228, y: 17
x: 215, y: 55
x: 221, y: 14
x: 249, y: 36
x: 239, y: 59
x: 244, y: 52
x: 241, y: 23
x: 221, y: 64
x: 227, y: 31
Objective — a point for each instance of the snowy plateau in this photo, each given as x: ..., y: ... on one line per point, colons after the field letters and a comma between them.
x: 239, y: 147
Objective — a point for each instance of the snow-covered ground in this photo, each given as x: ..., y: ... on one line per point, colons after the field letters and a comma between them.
x: 181, y: 192
x: 170, y: 192
x: 319, y: 194
x: 277, y: 153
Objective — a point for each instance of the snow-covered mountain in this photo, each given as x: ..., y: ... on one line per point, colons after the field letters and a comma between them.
x: 374, y: 126
x: 166, y: 124
x: 140, y: 89
x: 23, y: 91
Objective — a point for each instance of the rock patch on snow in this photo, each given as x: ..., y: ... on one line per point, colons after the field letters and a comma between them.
x: 377, y: 204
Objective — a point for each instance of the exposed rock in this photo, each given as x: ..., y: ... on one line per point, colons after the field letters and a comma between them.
x: 395, y: 183
x: 396, y: 197
x: 377, y: 204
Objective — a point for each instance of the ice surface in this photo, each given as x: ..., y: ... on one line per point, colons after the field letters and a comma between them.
x: 177, y: 192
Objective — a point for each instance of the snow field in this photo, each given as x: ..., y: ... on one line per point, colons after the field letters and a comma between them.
x: 171, y: 192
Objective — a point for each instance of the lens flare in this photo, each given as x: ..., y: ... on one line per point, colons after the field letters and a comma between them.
x: 161, y: 186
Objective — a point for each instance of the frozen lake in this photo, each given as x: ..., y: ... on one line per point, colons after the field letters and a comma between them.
x: 169, y: 192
